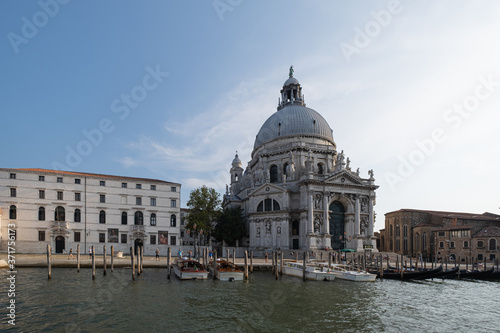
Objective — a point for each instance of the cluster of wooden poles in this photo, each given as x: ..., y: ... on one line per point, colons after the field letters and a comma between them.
x: 403, y: 264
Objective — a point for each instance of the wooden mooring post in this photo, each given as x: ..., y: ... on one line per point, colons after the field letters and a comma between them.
x: 234, y: 256
x: 132, y: 262
x: 304, y: 267
x: 381, y: 271
x: 227, y: 251
x: 112, y: 254
x: 281, y: 264
x: 251, y: 261
x: 215, y: 264
x: 78, y: 258
x: 245, y: 271
x: 142, y: 259
x: 276, y: 270
x: 169, y: 256
x: 272, y: 263
x: 49, y: 262
x: 93, y: 262
x: 138, y: 261
x: 104, y: 260
x: 329, y: 260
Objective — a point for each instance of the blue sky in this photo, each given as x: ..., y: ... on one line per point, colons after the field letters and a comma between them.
x: 171, y: 89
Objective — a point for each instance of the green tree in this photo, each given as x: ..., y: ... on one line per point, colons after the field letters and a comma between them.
x: 230, y: 227
x: 204, y: 208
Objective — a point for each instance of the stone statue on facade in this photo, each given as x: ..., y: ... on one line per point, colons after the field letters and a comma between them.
x: 290, y: 73
x: 370, y: 172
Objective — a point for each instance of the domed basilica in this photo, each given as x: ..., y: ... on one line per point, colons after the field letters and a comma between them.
x: 298, y: 191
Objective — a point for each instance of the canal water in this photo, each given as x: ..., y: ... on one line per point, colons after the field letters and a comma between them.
x: 72, y: 302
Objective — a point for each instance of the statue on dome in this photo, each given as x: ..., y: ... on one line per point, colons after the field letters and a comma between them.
x: 348, y: 161
x: 290, y: 74
x: 370, y: 172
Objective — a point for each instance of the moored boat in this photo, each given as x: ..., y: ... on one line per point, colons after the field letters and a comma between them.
x: 189, y: 269
x: 312, y: 272
x: 343, y: 272
x: 412, y: 275
x: 226, y: 271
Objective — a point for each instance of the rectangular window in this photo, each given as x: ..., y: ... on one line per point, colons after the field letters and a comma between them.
x: 41, y: 178
x: 173, y: 203
x: 441, y: 234
x: 60, y: 195
x: 77, y: 181
x: 41, y: 236
x: 76, y: 236
x: 455, y: 233
x: 78, y: 197
x: 12, y: 176
x: 102, y: 198
x: 138, y: 186
x: 102, y: 183
x: 173, y: 189
x: 124, y: 185
x: 173, y: 240
x: 152, y: 239
x: 153, y: 201
x: 441, y: 245
x: 153, y: 187
x: 124, y: 238
x: 138, y: 201
x: 480, y: 257
x: 492, y: 256
x: 452, y: 245
x: 13, y: 192
x: 41, y: 194
x: 466, y: 244
x: 59, y: 179
x: 112, y: 235
x: 182, y: 234
x: 480, y: 244
x: 102, y: 237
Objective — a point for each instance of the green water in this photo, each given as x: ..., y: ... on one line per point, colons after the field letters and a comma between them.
x: 72, y: 302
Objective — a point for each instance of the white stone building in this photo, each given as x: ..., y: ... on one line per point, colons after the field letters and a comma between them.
x: 298, y: 191
x: 66, y: 209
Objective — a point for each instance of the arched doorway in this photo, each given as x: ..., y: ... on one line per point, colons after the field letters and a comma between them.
x: 138, y: 243
x: 59, y: 244
x: 337, y: 225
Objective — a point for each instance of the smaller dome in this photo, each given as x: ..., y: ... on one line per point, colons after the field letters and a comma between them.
x: 236, y: 162
x: 290, y: 81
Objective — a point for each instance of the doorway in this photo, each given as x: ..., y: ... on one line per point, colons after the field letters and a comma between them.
x: 59, y: 244
x: 138, y: 243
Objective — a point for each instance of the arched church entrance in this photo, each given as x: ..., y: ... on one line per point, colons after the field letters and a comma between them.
x: 138, y: 244
x: 337, y: 225
x: 59, y: 244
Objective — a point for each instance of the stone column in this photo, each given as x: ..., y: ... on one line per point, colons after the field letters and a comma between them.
x: 325, y: 215
x: 356, y: 217
x: 370, y: 210
x: 273, y: 232
x: 310, y: 222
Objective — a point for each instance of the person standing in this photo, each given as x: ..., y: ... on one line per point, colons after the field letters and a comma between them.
x: 266, y: 255
x: 157, y: 252
x: 70, y: 256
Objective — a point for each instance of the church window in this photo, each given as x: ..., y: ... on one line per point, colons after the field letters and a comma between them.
x: 102, y: 217
x: 295, y: 228
x: 417, y: 242
x: 173, y: 220
x: 274, y: 173
x: 152, y: 219
x: 260, y: 207
x: 267, y: 205
x: 424, y: 241
x: 276, y: 205
x: 320, y: 168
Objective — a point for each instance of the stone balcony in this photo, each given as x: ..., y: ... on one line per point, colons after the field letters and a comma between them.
x: 60, y: 225
x: 137, y: 227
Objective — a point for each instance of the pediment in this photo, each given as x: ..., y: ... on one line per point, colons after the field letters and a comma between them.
x: 266, y: 189
x: 345, y: 178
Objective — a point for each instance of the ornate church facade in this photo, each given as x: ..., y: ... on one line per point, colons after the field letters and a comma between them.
x: 298, y: 191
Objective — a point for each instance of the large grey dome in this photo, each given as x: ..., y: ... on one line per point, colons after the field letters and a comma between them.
x: 292, y: 120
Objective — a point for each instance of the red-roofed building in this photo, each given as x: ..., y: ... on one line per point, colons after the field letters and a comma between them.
x: 437, y: 233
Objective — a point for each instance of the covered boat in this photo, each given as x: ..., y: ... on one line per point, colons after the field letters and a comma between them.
x: 189, y: 269
x: 312, y: 272
x: 226, y: 271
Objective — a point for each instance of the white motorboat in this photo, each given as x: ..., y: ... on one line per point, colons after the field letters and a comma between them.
x: 343, y: 272
x: 295, y: 268
x: 189, y: 269
x: 226, y: 271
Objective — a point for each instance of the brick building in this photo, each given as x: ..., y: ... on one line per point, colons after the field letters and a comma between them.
x: 417, y: 232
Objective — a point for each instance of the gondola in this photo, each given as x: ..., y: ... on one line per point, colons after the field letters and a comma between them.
x: 446, y: 272
x: 412, y: 275
x: 475, y: 275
